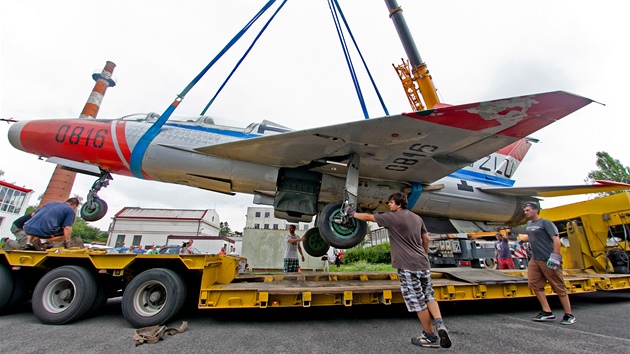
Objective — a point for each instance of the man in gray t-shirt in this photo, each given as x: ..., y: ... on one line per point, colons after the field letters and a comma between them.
x: 409, y: 243
x: 546, y: 264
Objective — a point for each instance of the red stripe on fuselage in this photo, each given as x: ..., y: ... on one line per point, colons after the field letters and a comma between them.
x: 80, y: 140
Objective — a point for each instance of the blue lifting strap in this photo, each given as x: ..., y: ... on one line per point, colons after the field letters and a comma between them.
x: 334, y: 8
x: 135, y: 162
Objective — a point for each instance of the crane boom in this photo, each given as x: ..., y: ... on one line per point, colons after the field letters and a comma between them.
x: 414, y: 74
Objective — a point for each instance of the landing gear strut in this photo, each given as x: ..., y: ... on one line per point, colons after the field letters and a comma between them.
x: 95, y: 208
x: 335, y: 226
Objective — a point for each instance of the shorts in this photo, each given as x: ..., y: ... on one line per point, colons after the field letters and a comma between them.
x: 505, y: 263
x: 291, y: 265
x: 416, y: 288
x: 538, y: 274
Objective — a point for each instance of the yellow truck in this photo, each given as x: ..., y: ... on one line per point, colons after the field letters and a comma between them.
x: 67, y: 285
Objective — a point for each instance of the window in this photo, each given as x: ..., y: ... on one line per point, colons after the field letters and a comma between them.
x: 305, y: 227
x: 275, y: 226
x: 136, y: 240
x: 11, y: 200
x: 267, y: 214
x: 266, y: 226
x: 257, y: 214
x: 256, y: 226
x: 120, y: 241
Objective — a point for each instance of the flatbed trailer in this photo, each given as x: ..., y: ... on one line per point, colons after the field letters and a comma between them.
x: 65, y: 285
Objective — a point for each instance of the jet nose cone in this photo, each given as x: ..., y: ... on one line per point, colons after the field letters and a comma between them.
x: 15, y: 133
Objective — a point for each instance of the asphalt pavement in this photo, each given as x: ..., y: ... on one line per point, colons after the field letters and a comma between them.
x: 498, y: 326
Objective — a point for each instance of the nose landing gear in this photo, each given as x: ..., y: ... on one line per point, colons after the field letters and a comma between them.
x: 95, y: 208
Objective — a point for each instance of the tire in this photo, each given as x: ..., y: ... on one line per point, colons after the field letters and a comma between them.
x: 6, y: 286
x: 153, y: 297
x: 21, y: 289
x: 338, y: 235
x: 491, y: 263
x: 315, y: 244
x: 94, y: 211
x: 102, y: 295
x: 64, y: 295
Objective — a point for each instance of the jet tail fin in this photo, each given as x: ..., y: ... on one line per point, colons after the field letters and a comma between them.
x: 499, y: 167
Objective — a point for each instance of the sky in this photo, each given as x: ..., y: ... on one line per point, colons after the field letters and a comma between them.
x: 296, y: 75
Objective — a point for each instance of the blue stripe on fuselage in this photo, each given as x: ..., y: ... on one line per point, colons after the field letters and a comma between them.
x: 416, y: 190
x: 473, y: 176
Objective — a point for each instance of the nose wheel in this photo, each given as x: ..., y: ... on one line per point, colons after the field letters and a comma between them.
x: 95, y: 208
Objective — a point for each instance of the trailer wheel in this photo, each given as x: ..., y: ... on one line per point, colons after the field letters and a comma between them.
x: 340, y: 235
x: 102, y: 295
x: 64, y: 295
x: 6, y: 286
x: 21, y: 288
x: 153, y: 297
x: 315, y: 244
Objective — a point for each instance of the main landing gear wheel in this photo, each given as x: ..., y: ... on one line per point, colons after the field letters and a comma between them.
x: 315, y: 244
x: 153, y: 297
x: 94, y: 210
x: 337, y: 231
x: 64, y: 295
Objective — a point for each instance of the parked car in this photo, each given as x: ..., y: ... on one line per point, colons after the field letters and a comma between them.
x: 174, y: 249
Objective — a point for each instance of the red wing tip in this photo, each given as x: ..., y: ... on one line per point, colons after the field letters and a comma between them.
x: 611, y: 183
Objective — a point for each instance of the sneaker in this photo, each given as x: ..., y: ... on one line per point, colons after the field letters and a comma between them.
x: 29, y: 247
x: 568, y: 320
x: 423, y: 341
x: 544, y: 316
x: 445, y: 341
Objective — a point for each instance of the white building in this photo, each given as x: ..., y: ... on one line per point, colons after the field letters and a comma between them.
x: 262, y: 218
x: 13, y: 203
x: 147, y: 227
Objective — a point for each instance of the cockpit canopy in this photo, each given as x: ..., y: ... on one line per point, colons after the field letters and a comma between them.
x: 265, y: 127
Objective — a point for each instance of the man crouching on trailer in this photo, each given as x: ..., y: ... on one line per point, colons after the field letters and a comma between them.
x: 409, y: 241
x: 52, y: 222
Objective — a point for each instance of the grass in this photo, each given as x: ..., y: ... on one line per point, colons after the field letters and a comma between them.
x: 363, y: 266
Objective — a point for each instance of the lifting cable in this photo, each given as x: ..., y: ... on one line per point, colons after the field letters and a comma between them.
x: 243, y: 57
x: 334, y: 8
x: 135, y: 161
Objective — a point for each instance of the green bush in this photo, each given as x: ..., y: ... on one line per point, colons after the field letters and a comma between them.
x: 376, y: 254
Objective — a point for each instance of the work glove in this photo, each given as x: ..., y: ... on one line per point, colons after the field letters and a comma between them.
x: 350, y: 211
x: 555, y: 261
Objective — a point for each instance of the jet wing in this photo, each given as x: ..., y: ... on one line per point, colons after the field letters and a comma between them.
x: 559, y: 191
x: 417, y: 147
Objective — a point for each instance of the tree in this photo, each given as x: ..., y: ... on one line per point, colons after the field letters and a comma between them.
x: 224, y: 229
x: 609, y: 169
x: 87, y: 233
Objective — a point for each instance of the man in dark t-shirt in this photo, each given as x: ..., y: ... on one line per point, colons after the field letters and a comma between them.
x: 52, y: 222
x: 409, y: 243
